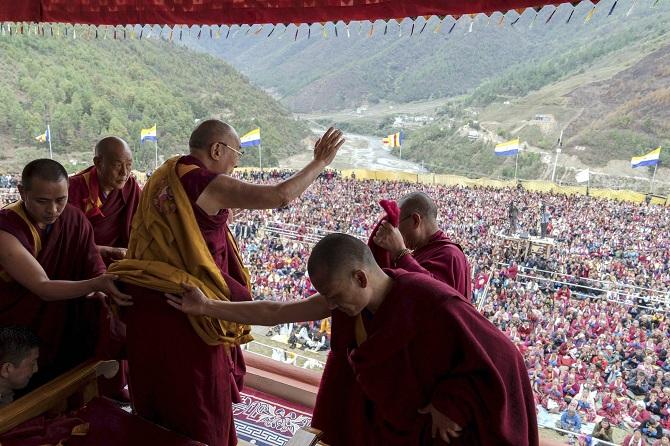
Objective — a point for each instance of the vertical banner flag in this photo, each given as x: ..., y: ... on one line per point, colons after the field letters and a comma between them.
x: 394, y: 140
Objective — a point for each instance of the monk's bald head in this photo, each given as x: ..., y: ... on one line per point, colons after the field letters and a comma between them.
x: 419, y: 203
x: 211, y: 131
x: 336, y: 255
x: 43, y: 169
x: 112, y: 146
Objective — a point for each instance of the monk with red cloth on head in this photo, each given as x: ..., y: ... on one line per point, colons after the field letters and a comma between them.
x: 108, y: 195
x: 48, y: 263
x: 425, y: 366
x: 417, y: 244
x: 186, y: 371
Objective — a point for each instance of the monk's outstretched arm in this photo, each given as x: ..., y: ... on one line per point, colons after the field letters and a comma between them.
x: 262, y: 312
x: 26, y: 270
x: 226, y: 192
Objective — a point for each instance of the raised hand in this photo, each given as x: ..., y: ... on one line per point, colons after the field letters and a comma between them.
x: 327, y: 146
x: 192, y: 300
x: 389, y: 238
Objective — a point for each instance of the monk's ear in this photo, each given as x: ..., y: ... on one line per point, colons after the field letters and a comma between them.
x: 215, y: 151
x: 361, y: 278
x: 416, y: 219
x: 97, y: 162
x: 22, y: 191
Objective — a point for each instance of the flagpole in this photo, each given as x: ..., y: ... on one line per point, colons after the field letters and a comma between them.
x: 516, y: 165
x: 653, y: 177
x: 51, y: 154
x: 156, y: 154
x: 588, y: 181
x: 260, y: 156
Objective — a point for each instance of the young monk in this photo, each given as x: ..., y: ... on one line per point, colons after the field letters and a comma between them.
x: 422, y: 361
x: 48, y: 261
x: 19, y: 350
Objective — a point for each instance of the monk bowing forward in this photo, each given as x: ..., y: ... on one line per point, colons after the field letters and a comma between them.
x: 424, y: 366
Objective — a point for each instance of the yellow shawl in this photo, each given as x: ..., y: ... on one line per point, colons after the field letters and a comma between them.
x: 166, y: 248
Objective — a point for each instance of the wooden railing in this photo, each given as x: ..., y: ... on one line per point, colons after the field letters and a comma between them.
x: 76, y: 387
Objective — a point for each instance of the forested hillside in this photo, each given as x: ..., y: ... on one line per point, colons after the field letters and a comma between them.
x: 493, y: 61
x: 90, y: 88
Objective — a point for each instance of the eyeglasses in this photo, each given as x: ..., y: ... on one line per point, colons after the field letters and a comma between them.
x: 241, y: 153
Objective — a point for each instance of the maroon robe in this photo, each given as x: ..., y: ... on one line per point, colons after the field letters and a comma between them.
x: 112, y: 219
x: 177, y: 380
x: 442, y: 260
x: 68, y: 330
x: 425, y: 344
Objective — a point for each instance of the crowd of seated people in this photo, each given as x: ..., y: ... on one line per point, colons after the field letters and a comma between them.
x: 590, y: 326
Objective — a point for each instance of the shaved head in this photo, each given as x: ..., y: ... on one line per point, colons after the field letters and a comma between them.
x: 209, y: 132
x: 114, y: 161
x: 337, y: 254
x: 44, y: 169
x: 110, y: 146
x: 419, y: 203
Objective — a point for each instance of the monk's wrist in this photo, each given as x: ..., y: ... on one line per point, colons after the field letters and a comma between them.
x: 400, y: 254
x: 206, y: 308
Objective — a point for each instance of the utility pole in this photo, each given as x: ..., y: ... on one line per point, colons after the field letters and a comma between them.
x: 558, y: 150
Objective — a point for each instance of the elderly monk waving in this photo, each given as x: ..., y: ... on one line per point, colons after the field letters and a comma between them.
x: 186, y: 372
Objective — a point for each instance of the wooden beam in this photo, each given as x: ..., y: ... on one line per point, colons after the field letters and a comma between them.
x: 54, y: 395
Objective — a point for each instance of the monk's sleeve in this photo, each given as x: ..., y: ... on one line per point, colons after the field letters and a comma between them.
x: 409, y: 263
x: 77, y: 192
x: 487, y: 386
x: 94, y: 265
x: 453, y: 397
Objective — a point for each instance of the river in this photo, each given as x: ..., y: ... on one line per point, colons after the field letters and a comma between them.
x: 359, y: 152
